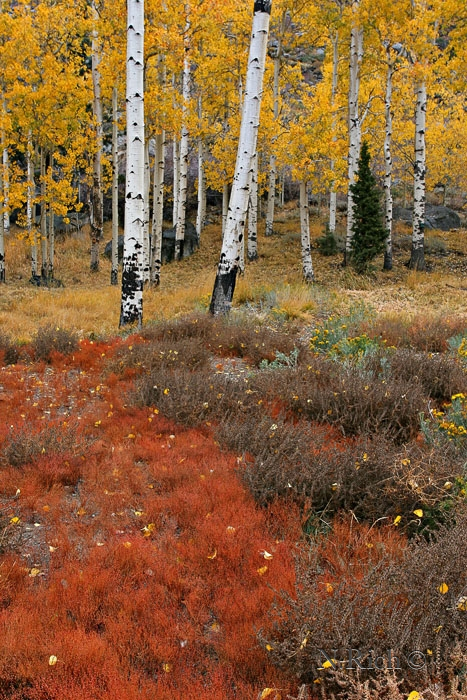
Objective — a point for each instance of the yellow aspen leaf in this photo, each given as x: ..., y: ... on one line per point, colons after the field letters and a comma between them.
x: 52, y: 549
x: 268, y: 692
x: 138, y: 513
x: 46, y: 508
x: 429, y: 652
x: 329, y: 664
x: 437, y: 629
x: 52, y: 660
x: 304, y: 643
x: 414, y: 695
x: 405, y: 462
x: 97, y: 423
x: 166, y: 391
x: 131, y: 436
x: 213, y: 555
x: 230, y: 529
x: 148, y: 529
x: 269, y: 647
x: 34, y: 572
x: 266, y: 555
x: 418, y: 513
x: 397, y: 520
x: 81, y: 511
x: 443, y: 589
x: 14, y: 520
x: 262, y: 570
x: 329, y: 588
x: 462, y: 603
x: 167, y: 667
x: 127, y: 545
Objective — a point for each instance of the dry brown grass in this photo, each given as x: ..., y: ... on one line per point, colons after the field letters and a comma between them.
x: 89, y: 304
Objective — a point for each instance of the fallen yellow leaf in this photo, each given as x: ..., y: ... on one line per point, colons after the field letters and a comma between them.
x: 267, y: 692
x: 414, y: 695
x: 418, y: 513
x: 34, y: 572
x: 262, y: 570
x: 443, y: 589
x: 52, y: 660
x: 397, y: 520
x: 213, y: 555
x: 266, y: 555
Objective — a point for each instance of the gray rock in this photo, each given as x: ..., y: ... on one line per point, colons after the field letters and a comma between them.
x: 436, y: 217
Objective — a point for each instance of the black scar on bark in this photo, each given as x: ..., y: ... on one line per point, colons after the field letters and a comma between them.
x: 263, y: 6
x: 131, y: 284
x: 223, y: 292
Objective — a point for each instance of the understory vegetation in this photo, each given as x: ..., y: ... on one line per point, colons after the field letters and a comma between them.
x: 228, y: 508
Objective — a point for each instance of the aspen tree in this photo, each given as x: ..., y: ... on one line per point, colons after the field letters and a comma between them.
x: 158, y: 209
x: 114, y: 258
x: 252, y: 247
x: 183, y: 172
x: 97, y: 207
x: 132, y: 283
x: 354, y: 117
x: 307, y: 264
x: 228, y: 268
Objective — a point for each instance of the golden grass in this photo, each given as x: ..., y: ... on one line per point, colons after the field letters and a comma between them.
x: 89, y: 304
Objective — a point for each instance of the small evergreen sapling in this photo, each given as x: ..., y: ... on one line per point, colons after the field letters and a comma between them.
x: 369, y: 234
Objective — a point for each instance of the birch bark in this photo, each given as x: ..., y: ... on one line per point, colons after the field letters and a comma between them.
x: 333, y: 193
x: 97, y: 206
x: 114, y: 267
x: 417, y: 258
x: 132, y: 282
x: 158, y: 209
x: 183, y: 182
x: 355, y: 129
x: 224, y: 285
x: 269, y: 230
x: 387, y: 265
x: 307, y: 264
x: 252, y: 248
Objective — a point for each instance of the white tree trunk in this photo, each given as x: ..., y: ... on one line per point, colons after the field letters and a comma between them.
x: 158, y: 209
x: 30, y: 207
x: 333, y: 193
x: 114, y: 265
x: 6, y: 190
x: 417, y: 258
x: 2, y: 227
x: 388, y: 161
x: 183, y: 184
x: 201, y: 213
x: 96, y: 209
x: 355, y: 131
x: 252, y: 251
x: 44, y: 262
x: 225, y: 206
x: 51, y: 234
x: 224, y: 285
x: 132, y: 281
x: 176, y: 177
x: 307, y: 264
x: 147, y: 188
x: 269, y: 230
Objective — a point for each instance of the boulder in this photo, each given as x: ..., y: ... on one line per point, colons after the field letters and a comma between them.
x: 436, y: 217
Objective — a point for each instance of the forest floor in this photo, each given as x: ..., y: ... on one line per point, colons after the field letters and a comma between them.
x: 195, y: 510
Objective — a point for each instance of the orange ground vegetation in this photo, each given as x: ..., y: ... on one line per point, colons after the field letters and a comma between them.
x: 135, y: 562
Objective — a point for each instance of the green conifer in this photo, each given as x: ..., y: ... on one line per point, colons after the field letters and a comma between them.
x: 369, y: 234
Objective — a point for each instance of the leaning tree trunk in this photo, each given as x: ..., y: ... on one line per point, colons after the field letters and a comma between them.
x: 114, y: 268
x: 417, y: 258
x: 225, y: 206
x: 97, y: 206
x: 252, y: 249
x: 355, y: 131
x: 333, y: 192
x: 158, y: 209
x: 269, y: 230
x: 307, y: 264
x: 132, y: 280
x: 224, y: 285
x: 388, y: 162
